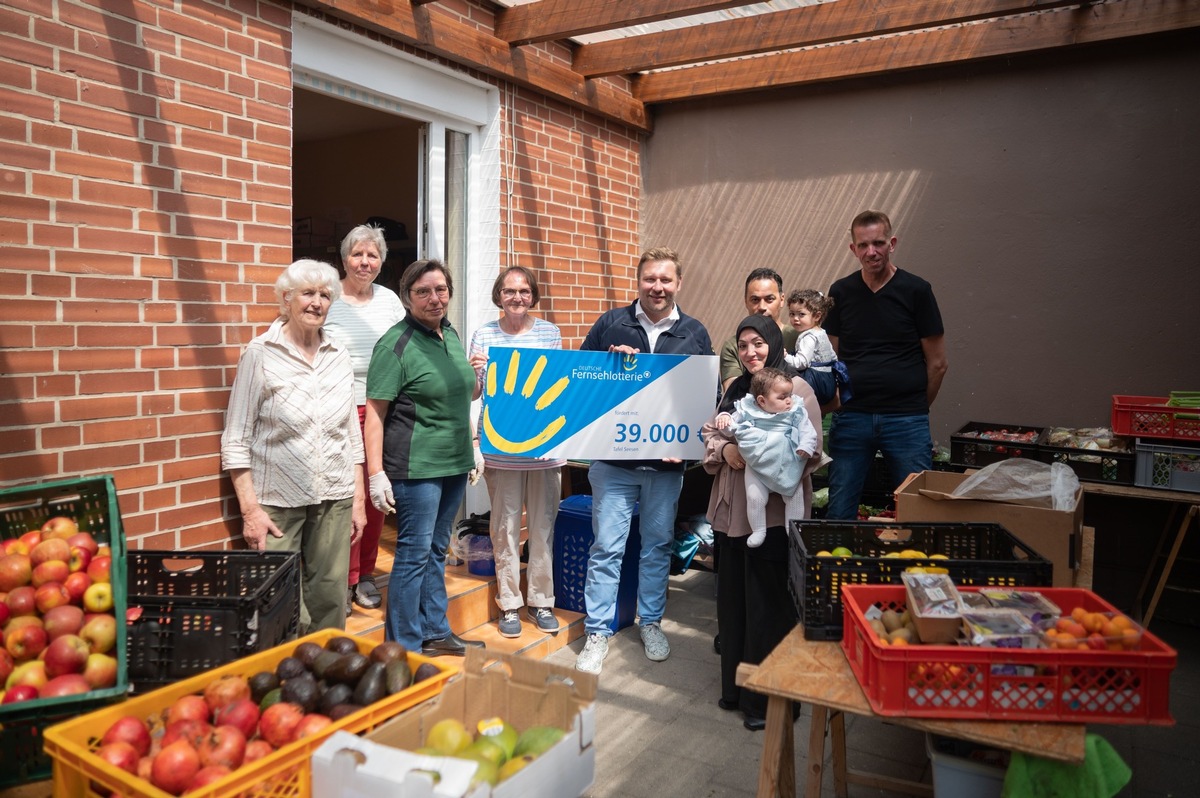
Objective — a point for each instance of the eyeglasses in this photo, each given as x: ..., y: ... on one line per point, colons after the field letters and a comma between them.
x: 512, y: 292
x: 442, y: 292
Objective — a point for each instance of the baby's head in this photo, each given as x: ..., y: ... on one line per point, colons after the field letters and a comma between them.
x: 807, y: 308
x: 772, y: 390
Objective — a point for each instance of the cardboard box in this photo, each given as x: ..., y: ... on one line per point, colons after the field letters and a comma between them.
x: 524, y: 692
x: 1055, y: 534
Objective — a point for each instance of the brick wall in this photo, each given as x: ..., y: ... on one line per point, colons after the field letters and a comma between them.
x: 145, y: 210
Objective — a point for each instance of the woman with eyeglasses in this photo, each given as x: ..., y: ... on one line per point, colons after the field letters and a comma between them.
x: 516, y: 483
x: 417, y: 434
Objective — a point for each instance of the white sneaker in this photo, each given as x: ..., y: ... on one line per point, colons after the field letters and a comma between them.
x: 657, y: 647
x: 591, y: 658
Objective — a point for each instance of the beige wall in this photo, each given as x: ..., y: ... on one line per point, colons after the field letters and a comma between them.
x: 1040, y: 196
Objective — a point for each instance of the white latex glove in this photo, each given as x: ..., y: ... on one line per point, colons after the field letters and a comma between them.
x: 381, y: 493
x: 475, y: 473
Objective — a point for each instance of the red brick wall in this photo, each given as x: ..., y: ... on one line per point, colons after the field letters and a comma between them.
x: 145, y: 210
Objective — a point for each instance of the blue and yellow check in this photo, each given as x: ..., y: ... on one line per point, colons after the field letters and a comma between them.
x: 596, y: 405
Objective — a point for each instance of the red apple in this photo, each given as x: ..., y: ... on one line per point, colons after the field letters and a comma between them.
x: 22, y: 600
x: 66, y: 684
x: 66, y: 654
x: 100, y: 568
x: 51, y: 595
x: 51, y: 549
x: 60, y: 526
x: 16, y: 546
x: 15, y: 571
x: 49, y: 571
x: 103, y: 551
x: 26, y: 642
x: 174, y: 767
x: 84, y: 540
x: 32, y: 538
x: 5, y: 612
x: 7, y: 664
x: 18, y: 693
x: 24, y: 620
x: 98, y: 597
x: 77, y: 584
x: 100, y: 632
x: 120, y: 755
x: 100, y: 671
x: 64, y: 620
x: 80, y: 559
x: 130, y: 730
x: 32, y: 673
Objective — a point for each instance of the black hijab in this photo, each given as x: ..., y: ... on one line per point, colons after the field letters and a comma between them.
x: 770, y: 332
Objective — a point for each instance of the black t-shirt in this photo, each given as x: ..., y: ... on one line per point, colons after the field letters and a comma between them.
x: 879, y: 338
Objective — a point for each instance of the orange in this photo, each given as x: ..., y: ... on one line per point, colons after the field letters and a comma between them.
x: 1078, y: 613
x: 898, y: 641
x: 1122, y: 622
x: 1092, y: 621
x: 1130, y: 638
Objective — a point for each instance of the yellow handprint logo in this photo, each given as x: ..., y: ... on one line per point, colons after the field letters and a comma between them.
x: 528, y: 387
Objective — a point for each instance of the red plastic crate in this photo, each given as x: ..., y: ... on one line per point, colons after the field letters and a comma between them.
x: 971, y: 682
x: 1152, y: 417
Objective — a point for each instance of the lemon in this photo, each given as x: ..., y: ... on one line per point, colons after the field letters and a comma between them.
x: 938, y: 557
x: 824, y: 553
x: 842, y: 551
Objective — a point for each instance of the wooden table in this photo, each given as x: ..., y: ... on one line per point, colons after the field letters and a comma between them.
x: 1184, y: 506
x: 817, y: 673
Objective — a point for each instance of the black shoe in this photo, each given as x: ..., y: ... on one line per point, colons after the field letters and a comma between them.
x: 349, y: 602
x: 726, y: 704
x: 451, y: 644
x: 366, y: 595
x: 754, y: 724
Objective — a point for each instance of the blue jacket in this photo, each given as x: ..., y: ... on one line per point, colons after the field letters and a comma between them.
x: 620, y: 326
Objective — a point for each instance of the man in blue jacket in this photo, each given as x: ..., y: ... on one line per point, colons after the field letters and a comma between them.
x: 654, y: 324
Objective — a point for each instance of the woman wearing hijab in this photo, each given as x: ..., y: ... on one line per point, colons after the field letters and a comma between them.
x: 754, y: 608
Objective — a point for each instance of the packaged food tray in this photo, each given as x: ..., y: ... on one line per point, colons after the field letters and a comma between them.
x: 977, y: 554
x: 1114, y: 466
x: 950, y: 681
x: 1168, y: 467
x: 284, y: 773
x: 92, y: 502
x: 980, y: 443
x: 1152, y: 417
x: 198, y: 610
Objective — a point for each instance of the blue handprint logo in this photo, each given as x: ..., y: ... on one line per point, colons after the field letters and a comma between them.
x: 528, y: 387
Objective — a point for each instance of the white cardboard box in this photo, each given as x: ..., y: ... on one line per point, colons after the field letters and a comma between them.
x: 525, y: 692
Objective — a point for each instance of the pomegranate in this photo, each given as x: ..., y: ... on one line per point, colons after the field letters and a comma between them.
x: 278, y: 723
x: 120, y: 755
x: 188, y: 707
x: 310, y: 725
x: 242, y: 713
x: 224, y: 691
x: 174, y: 767
x: 206, y: 776
x: 191, y: 730
x: 226, y: 745
x: 257, y: 749
x: 130, y: 730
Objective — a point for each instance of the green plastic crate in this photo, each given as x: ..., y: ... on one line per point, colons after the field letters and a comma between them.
x: 92, y: 502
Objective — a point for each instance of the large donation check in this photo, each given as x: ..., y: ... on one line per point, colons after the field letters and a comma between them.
x: 596, y: 405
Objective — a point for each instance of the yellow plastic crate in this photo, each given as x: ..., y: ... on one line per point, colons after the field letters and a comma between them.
x: 285, y: 773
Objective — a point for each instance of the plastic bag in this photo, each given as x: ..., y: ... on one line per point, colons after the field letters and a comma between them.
x: 462, y: 548
x: 1021, y: 480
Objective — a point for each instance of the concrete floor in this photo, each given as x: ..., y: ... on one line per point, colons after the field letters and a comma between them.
x: 659, y: 732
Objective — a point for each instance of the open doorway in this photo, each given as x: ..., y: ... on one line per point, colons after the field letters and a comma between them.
x: 354, y: 165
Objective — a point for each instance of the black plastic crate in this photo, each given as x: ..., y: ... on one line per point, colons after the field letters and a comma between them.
x: 1094, y: 465
x: 981, y: 443
x: 202, y: 609
x: 976, y: 555
x: 92, y: 502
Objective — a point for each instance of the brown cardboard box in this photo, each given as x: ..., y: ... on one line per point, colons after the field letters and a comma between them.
x: 1055, y: 534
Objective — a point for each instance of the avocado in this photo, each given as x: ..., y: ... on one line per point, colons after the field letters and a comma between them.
x: 334, y: 695
x: 348, y: 669
x: 306, y: 652
x: 397, y: 675
x: 387, y: 651
x: 300, y: 691
x: 342, y: 710
x: 289, y: 668
x: 341, y: 644
x: 262, y: 683
x: 371, y: 685
x: 323, y: 661
x: 272, y: 697
x: 424, y: 671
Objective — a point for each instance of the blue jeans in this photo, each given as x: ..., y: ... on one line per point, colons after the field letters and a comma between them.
x: 853, y: 440
x: 615, y: 491
x: 416, y: 594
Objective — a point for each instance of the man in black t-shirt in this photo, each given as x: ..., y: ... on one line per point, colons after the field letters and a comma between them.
x: 886, y: 327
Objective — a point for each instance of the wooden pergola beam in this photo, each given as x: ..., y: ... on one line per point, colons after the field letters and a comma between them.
x: 1066, y: 27
x: 781, y: 30
x: 560, y: 19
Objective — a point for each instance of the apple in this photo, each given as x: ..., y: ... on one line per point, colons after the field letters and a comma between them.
x: 32, y: 538
x: 52, y: 549
x: 22, y: 600
x: 5, y: 612
x: 98, y: 597
x: 32, y: 673
x: 104, y: 550
x: 64, y: 620
x: 18, y: 693
x: 60, y: 526
x: 120, y: 755
x: 49, y: 571
x: 66, y: 654
x: 100, y: 632
x: 131, y: 730
x: 66, y: 684
x: 24, y: 620
x: 77, y: 584
x: 81, y: 558
x: 84, y: 540
x: 100, y: 568
x: 51, y: 595
x: 26, y: 642
x: 7, y: 664
x: 100, y: 671
x: 15, y: 571
x: 16, y: 546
